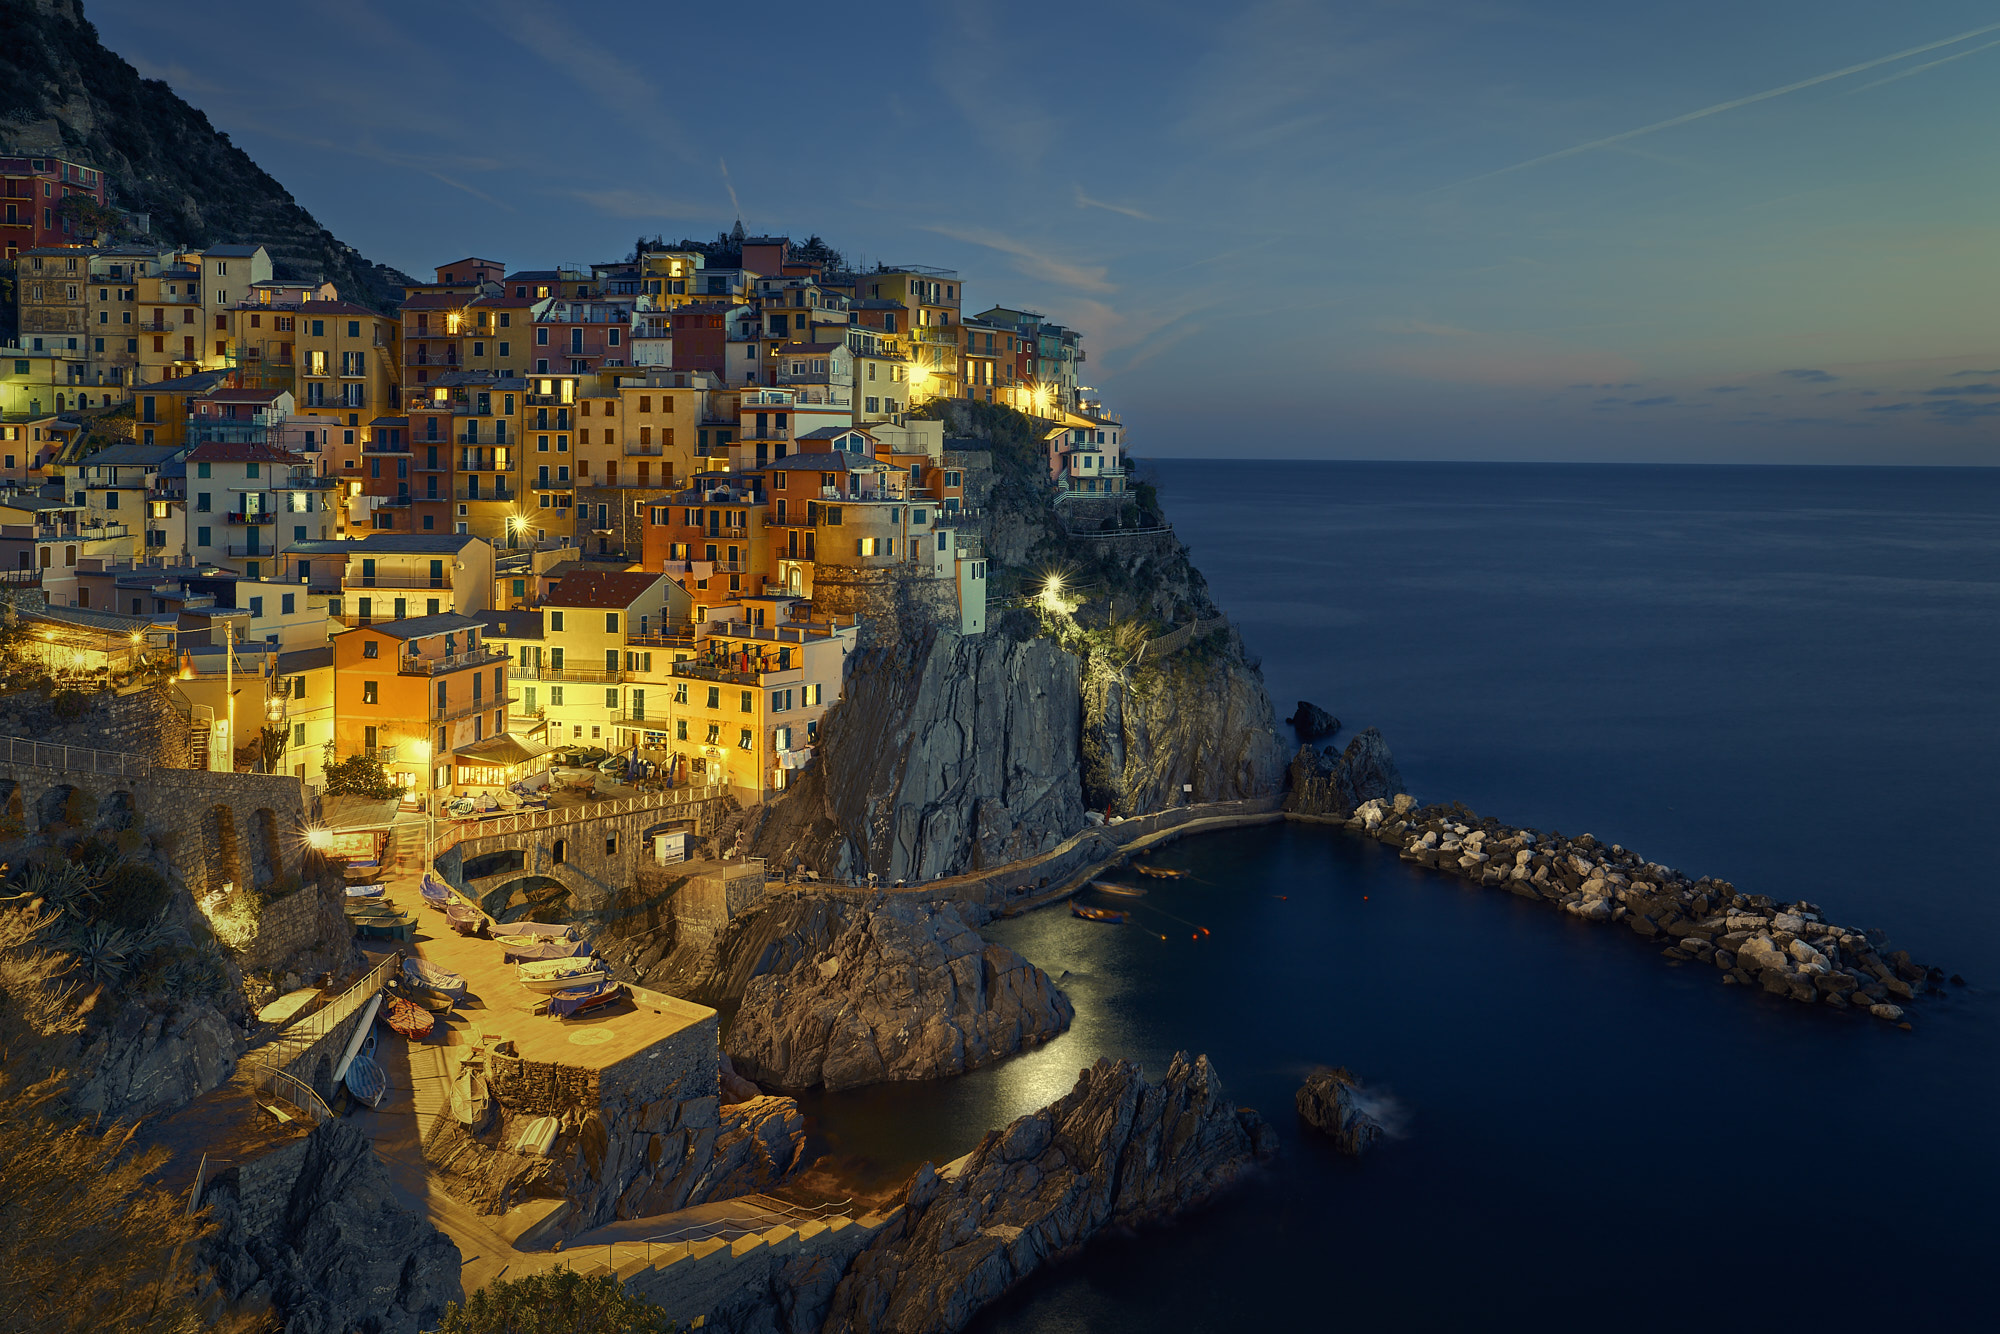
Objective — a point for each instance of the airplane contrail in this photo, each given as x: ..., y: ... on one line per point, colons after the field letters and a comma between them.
x: 1721, y: 107
x: 1928, y: 64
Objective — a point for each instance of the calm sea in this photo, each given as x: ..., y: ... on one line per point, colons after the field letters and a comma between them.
x: 1784, y: 677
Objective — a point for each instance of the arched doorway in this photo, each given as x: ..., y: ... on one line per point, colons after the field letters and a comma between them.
x: 533, y: 898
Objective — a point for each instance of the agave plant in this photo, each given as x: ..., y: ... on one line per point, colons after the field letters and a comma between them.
x: 103, y: 953
x: 194, y: 978
x: 64, y: 886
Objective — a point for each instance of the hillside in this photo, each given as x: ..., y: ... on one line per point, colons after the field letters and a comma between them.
x: 62, y: 91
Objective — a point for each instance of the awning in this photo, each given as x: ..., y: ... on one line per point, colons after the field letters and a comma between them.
x: 344, y: 812
x: 507, y: 748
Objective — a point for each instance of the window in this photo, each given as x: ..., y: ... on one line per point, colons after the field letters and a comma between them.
x: 201, y: 470
x: 611, y: 699
x: 749, y: 702
x: 556, y: 623
x: 680, y: 729
x: 611, y: 845
x: 201, y: 537
x: 256, y: 606
x: 744, y: 741
x: 555, y: 696
x: 611, y: 622
x: 371, y: 649
x: 368, y: 693
x: 681, y: 693
x: 714, y: 733
x: 714, y: 697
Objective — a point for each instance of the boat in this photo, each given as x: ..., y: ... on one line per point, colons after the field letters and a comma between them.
x: 365, y: 1078
x: 1106, y: 887
x: 465, y: 919
x: 552, y: 975
x: 437, y: 894
x: 582, y: 1000
x: 412, y: 1021
x: 433, y: 987
x: 1104, y: 915
x: 1159, y: 872
x: 365, y: 891
x: 469, y: 1099
x: 522, y: 949
x: 539, y: 931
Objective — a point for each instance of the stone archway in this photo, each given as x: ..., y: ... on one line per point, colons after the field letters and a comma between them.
x: 118, y: 811
x: 530, y: 898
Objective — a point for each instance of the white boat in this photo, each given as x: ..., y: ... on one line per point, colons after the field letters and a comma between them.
x: 552, y: 975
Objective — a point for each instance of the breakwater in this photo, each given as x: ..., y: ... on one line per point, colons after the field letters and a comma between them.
x: 1789, y: 949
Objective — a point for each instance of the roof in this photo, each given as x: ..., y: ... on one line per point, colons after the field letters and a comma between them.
x: 469, y: 259
x: 305, y: 659
x: 90, y: 618
x: 831, y: 432
x: 793, y: 349
x: 830, y: 460
x: 503, y: 749
x: 186, y: 384
x: 520, y: 623
x: 376, y: 543
x: 231, y: 251
x: 343, y: 811
x: 129, y: 453
x: 245, y: 395
x: 423, y: 627
x: 601, y: 588
x: 225, y: 451
x: 434, y: 301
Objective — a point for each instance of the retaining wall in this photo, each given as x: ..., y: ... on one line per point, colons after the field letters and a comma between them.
x: 711, y: 1279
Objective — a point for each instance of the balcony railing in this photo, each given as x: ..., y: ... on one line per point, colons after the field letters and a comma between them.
x: 247, y: 517
x: 252, y: 552
x: 705, y: 671
x: 463, y: 709
x: 582, y: 675
x: 448, y: 662
x: 542, y: 484
x: 399, y: 581
x: 484, y: 493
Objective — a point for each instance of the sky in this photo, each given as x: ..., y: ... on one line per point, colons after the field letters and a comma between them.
x: 1757, y: 232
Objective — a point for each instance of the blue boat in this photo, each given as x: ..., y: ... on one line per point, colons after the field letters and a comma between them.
x: 364, y: 891
x: 436, y: 892
x: 579, y: 1000
x: 433, y: 987
x: 365, y: 1079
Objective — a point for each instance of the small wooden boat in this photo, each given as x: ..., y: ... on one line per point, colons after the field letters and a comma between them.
x: 1106, y: 887
x: 552, y: 975
x: 540, y: 931
x: 523, y: 949
x: 582, y: 1000
x: 364, y: 891
x: 1104, y: 915
x: 1160, y: 872
x: 365, y: 1078
x: 408, y: 1019
x: 432, y: 987
x: 465, y: 919
x: 437, y: 894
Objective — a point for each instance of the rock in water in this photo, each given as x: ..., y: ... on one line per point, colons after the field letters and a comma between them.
x: 1114, y: 1151
x: 1312, y: 722
x: 1334, y: 782
x: 1327, y: 1103
x: 906, y: 991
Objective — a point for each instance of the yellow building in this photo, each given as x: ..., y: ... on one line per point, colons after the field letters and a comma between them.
x: 932, y: 298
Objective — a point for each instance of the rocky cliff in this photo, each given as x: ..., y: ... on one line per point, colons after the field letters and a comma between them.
x: 1332, y: 781
x: 1116, y: 1151
x: 948, y: 754
x: 905, y: 991
x: 315, y: 1232
x: 62, y: 91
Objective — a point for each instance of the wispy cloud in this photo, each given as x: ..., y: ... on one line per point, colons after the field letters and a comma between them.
x: 601, y: 72
x: 730, y: 186
x: 1928, y: 64
x: 1085, y: 201
x: 1031, y: 259
x: 1810, y: 376
x: 1733, y: 104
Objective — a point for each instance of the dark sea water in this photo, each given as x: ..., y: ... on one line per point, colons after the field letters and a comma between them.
x: 1789, y: 678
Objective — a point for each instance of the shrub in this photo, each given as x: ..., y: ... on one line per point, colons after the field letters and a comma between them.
x: 358, y: 776
x: 555, y: 1301
x: 133, y: 896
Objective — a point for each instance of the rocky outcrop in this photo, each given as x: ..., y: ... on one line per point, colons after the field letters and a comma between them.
x: 1312, y: 722
x: 1115, y: 1151
x: 62, y: 91
x: 315, y: 1231
x: 1155, y: 729
x: 945, y: 755
x: 1328, y: 1103
x: 906, y: 990
x: 1787, y: 949
x: 1333, y: 781
x: 154, y: 1060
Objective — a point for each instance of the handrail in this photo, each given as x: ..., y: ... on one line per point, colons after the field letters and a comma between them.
x: 728, y: 1228
x: 42, y: 755
x: 310, y: 1029
x: 311, y: 1104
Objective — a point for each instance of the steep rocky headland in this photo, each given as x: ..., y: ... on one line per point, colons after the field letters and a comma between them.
x: 1115, y: 1151
x: 905, y: 991
x: 61, y: 91
x: 1124, y: 692
x: 1329, y: 1102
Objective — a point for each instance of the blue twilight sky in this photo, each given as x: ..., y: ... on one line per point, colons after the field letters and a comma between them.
x: 1544, y: 229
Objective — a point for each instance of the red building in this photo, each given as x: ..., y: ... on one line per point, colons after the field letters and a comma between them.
x: 701, y: 336
x: 32, y: 190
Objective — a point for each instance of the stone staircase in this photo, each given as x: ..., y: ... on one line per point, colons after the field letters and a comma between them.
x: 728, y: 828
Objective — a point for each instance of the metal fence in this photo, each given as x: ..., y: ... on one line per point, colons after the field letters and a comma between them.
x: 294, y: 1091
x: 299, y: 1036
x: 75, y: 759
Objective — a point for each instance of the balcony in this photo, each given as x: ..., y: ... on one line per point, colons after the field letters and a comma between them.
x: 462, y: 710
x: 372, y: 447
x: 399, y: 581
x: 246, y: 518
x: 543, y: 484
x: 559, y: 675
x: 646, y: 451
x: 703, y: 671
x: 252, y: 552
x: 485, y: 493
x: 448, y: 662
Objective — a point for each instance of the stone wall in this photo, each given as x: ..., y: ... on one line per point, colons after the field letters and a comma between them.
x: 732, y: 1286
x: 539, y: 1088
x: 710, y: 901
x: 895, y: 605
x: 140, y: 721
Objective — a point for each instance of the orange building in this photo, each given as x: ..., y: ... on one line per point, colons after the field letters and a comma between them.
x: 414, y: 693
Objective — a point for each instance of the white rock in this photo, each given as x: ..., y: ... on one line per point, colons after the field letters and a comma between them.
x: 1886, y: 1011
x: 1430, y: 840
x: 1786, y: 921
x: 1523, y: 857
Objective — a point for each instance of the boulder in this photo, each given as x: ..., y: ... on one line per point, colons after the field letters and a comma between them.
x: 1758, y: 954
x: 1312, y: 722
x: 1114, y: 1152
x: 904, y: 991
x: 1328, y: 1103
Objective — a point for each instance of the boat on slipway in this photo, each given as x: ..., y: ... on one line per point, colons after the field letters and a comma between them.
x: 430, y: 986
x: 408, y: 1019
x: 1160, y: 872
x: 365, y: 1078
x: 549, y: 976
x: 1104, y: 915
